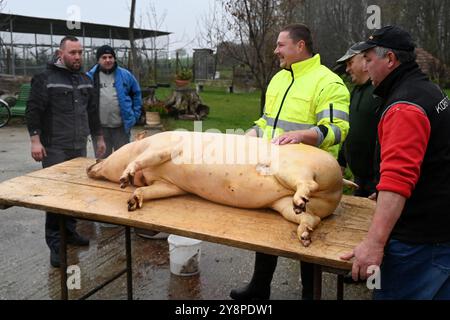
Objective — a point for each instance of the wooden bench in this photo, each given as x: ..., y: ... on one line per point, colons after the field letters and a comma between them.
x: 21, y: 104
x: 66, y: 189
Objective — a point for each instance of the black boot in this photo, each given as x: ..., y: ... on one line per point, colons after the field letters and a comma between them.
x: 259, y: 286
x: 307, y: 275
x: 54, y: 258
x: 77, y: 239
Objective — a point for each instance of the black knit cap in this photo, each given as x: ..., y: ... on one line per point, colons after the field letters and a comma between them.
x: 105, y: 49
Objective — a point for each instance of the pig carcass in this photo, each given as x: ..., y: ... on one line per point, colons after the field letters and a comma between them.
x: 301, y: 182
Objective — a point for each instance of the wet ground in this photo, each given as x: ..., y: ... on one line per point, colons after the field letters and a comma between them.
x: 25, y: 271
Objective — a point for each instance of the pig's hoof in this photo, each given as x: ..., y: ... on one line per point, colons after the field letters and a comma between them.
x: 301, y: 206
x: 305, y: 239
x: 127, y: 180
x: 123, y: 183
x: 135, y: 202
x: 306, y: 243
x: 299, y: 209
x: 132, y: 205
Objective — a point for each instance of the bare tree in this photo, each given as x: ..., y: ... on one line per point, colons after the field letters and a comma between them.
x: 2, y: 5
x: 339, y: 23
x: 132, y: 60
x: 155, y: 22
x: 428, y: 21
x: 335, y: 25
x: 247, y: 30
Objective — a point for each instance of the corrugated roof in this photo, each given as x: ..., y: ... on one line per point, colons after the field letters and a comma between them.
x: 26, y: 24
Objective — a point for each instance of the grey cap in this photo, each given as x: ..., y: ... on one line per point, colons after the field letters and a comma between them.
x: 350, y: 53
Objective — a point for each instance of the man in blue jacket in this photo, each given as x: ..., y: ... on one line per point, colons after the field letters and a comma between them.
x: 118, y: 97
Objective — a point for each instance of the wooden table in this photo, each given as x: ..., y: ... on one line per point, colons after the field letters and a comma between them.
x: 66, y: 189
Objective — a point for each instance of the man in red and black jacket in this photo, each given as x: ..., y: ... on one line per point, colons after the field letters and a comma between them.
x: 409, y: 236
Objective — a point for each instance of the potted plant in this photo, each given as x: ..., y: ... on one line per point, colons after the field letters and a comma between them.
x: 153, y: 112
x: 183, y: 77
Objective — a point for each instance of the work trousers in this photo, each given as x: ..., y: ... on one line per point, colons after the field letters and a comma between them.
x: 52, y: 235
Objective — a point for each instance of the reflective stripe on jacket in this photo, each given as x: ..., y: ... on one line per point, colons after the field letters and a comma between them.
x: 300, y: 98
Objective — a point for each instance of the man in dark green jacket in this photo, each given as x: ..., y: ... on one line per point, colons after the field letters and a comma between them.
x: 359, y: 147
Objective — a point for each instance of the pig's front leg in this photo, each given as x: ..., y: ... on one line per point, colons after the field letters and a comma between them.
x: 158, y: 190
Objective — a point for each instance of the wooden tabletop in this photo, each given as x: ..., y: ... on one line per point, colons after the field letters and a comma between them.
x: 66, y: 189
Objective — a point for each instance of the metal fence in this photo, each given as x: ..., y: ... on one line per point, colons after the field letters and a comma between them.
x: 153, y: 66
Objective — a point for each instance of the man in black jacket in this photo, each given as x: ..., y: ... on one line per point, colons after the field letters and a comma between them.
x: 61, y: 112
x: 359, y: 148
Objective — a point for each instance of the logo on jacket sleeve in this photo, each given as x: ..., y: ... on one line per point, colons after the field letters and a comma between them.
x: 442, y: 105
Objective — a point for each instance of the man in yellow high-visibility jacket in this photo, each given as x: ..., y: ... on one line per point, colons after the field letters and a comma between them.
x: 305, y: 103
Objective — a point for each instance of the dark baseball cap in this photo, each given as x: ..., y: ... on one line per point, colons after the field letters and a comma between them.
x: 391, y: 37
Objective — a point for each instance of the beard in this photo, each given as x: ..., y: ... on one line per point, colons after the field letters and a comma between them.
x: 73, y: 66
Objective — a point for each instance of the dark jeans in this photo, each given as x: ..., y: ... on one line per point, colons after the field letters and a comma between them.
x: 366, y: 187
x: 114, y: 139
x: 415, y: 271
x: 52, y: 236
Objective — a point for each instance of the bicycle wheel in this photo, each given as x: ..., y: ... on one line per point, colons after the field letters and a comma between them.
x: 5, y: 113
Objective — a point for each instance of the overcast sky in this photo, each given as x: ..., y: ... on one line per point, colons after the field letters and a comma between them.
x: 182, y: 17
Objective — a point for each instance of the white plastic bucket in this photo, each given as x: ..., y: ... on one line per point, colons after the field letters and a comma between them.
x: 184, y: 255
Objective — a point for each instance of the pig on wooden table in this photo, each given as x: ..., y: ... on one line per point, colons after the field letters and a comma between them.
x: 301, y: 182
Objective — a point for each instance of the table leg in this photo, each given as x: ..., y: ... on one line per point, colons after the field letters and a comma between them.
x: 340, y: 287
x: 129, y: 266
x: 317, y: 282
x: 63, y: 257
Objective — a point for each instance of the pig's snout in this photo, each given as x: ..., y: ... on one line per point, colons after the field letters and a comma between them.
x: 93, y: 169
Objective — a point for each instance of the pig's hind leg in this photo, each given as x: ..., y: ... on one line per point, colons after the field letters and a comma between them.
x: 302, y: 182
x: 307, y: 221
x: 157, y: 190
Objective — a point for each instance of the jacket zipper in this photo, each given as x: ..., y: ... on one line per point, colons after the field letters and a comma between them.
x: 282, y: 103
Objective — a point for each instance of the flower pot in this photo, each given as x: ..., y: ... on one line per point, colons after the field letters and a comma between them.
x: 152, y: 118
x: 181, y: 83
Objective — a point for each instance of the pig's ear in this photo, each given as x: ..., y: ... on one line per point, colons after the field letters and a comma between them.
x: 140, y: 135
x: 98, y: 160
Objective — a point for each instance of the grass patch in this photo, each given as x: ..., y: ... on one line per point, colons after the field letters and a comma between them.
x: 227, y: 111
